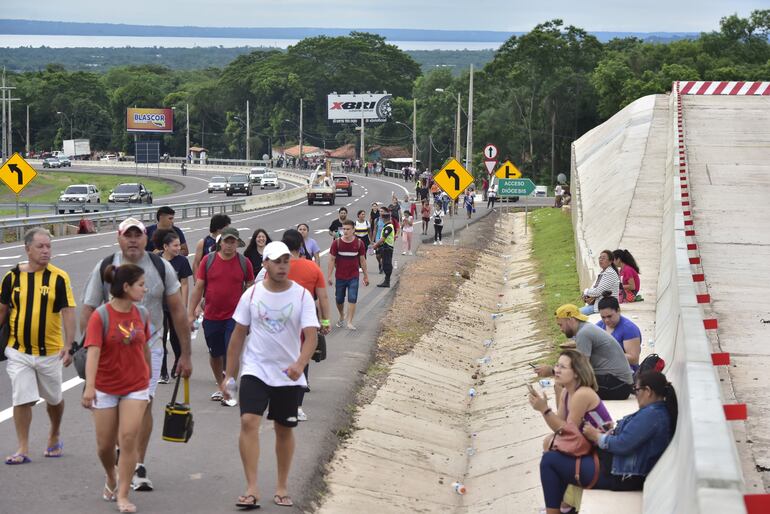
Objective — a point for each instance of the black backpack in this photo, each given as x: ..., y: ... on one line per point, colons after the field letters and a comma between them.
x: 156, y: 259
x: 653, y: 362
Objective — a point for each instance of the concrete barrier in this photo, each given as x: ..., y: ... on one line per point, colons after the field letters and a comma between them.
x: 700, y: 471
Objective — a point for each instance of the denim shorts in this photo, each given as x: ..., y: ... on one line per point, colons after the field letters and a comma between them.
x: 351, y: 286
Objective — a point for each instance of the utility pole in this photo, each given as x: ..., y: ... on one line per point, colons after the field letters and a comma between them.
x: 469, y: 141
x: 414, y: 134
x: 363, y: 154
x: 300, y: 128
x: 26, y: 147
x: 5, y: 119
x: 248, y: 133
x: 430, y: 153
x: 187, y: 139
x: 458, y: 130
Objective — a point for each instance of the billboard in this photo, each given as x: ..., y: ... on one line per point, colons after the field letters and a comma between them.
x: 349, y: 108
x: 149, y: 120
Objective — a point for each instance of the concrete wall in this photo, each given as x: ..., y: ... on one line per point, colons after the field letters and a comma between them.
x: 700, y: 471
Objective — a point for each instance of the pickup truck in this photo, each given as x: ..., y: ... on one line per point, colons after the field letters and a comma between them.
x: 321, y: 187
x: 344, y: 184
x: 256, y: 174
x: 132, y: 192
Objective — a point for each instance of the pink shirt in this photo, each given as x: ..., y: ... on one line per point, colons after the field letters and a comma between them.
x: 626, y: 274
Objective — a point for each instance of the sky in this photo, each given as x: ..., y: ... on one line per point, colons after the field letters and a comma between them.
x: 505, y: 15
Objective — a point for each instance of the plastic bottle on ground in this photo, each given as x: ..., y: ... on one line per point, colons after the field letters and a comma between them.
x: 459, y: 487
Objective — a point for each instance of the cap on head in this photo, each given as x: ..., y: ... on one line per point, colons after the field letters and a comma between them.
x: 228, y: 232
x: 131, y: 223
x: 275, y: 250
x: 569, y: 310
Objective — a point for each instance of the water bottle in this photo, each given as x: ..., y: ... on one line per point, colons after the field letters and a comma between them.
x: 196, y: 325
x: 545, y: 383
x: 471, y: 451
x: 484, y: 360
x: 497, y: 315
x: 487, y: 343
x: 472, y: 393
x: 232, y: 390
x: 652, y: 344
x: 459, y: 487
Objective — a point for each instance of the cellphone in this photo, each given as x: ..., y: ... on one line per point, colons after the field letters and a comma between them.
x: 531, y: 389
x: 533, y: 365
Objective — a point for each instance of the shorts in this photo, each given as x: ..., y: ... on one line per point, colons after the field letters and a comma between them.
x: 34, y: 377
x: 109, y: 401
x: 217, y: 333
x: 255, y: 396
x: 156, y: 361
x: 351, y: 286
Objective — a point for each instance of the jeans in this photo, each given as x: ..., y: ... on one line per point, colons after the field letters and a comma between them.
x: 612, y: 388
x: 437, y: 232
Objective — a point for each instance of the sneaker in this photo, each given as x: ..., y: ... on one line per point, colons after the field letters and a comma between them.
x: 217, y: 396
x: 301, y: 416
x: 339, y: 324
x: 140, y: 482
x: 409, y: 253
x: 403, y: 253
x: 435, y: 243
x: 232, y: 402
x: 441, y: 243
x: 163, y: 379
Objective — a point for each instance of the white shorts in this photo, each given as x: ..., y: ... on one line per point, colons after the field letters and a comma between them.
x: 108, y: 401
x: 156, y: 360
x: 33, y: 377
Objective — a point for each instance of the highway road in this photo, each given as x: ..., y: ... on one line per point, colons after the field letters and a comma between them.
x: 204, y: 476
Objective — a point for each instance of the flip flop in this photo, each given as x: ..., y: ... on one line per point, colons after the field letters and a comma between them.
x: 247, y: 502
x: 13, y: 460
x: 110, y: 495
x: 126, y: 506
x: 283, y: 501
x: 55, y: 451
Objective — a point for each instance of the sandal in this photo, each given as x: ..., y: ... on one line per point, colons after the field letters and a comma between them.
x: 248, y: 502
x: 110, y: 495
x: 17, y: 458
x: 126, y: 506
x: 283, y: 501
x: 55, y: 451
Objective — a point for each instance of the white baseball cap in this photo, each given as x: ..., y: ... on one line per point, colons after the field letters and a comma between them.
x: 129, y: 223
x: 275, y: 250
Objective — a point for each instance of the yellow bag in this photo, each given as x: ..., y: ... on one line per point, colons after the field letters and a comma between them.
x: 178, y: 422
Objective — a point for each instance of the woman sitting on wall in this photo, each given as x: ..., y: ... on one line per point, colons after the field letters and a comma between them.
x: 626, y: 454
x: 608, y: 280
x: 629, y: 276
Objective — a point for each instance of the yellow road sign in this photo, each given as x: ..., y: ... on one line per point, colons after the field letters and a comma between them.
x: 508, y: 170
x: 453, y: 178
x: 17, y: 173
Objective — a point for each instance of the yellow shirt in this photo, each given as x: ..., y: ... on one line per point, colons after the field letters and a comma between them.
x: 34, y: 302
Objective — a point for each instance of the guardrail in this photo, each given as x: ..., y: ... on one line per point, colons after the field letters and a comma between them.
x: 61, y: 207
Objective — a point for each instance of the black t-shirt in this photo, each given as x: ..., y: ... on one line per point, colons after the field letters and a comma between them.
x: 336, y: 227
x: 151, y: 231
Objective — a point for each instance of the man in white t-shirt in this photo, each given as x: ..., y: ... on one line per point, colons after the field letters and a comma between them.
x: 272, y: 313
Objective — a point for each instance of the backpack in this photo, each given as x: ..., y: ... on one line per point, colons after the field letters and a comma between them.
x: 653, y: 362
x: 156, y: 259
x: 80, y: 353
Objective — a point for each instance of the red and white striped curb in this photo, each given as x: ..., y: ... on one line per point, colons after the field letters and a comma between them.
x: 724, y: 88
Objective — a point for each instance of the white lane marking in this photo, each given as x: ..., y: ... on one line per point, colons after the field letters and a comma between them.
x: 314, y: 219
x: 321, y: 231
x: 10, y: 257
x: 279, y: 230
x: 77, y: 251
x: 61, y: 255
x: 348, y: 204
x: 7, y: 414
x: 6, y: 265
x: 246, y: 228
x: 324, y: 252
x: 329, y: 213
x: 91, y: 249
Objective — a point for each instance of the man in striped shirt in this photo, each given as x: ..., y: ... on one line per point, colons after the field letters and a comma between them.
x: 36, y: 300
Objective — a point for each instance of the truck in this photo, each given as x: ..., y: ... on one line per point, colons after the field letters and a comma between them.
x: 321, y: 186
x: 77, y: 148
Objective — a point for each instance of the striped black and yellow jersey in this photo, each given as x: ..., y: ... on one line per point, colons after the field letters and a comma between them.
x: 34, y: 301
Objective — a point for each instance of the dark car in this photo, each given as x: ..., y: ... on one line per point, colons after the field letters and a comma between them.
x: 64, y: 161
x: 239, y: 184
x: 51, y: 162
x: 134, y: 192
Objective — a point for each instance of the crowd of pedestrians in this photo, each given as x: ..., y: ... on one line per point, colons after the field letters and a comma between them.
x: 263, y: 307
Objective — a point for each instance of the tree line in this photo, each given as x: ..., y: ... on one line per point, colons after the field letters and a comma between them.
x: 540, y: 92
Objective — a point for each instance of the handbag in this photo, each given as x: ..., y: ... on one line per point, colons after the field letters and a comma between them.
x: 571, y: 441
x: 178, y: 422
x: 320, y: 349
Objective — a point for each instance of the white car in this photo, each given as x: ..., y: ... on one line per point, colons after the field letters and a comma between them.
x: 78, y: 194
x: 269, y: 179
x: 217, y: 184
x: 109, y: 157
x: 256, y: 174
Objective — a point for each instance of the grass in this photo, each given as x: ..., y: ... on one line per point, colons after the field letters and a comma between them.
x: 48, y: 185
x: 553, y: 248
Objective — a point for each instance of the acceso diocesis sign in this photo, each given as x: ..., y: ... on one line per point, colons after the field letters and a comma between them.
x: 149, y: 120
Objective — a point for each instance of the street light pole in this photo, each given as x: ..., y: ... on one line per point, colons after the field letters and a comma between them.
x: 300, y: 128
x: 414, y: 135
x: 248, y: 133
x: 458, y: 150
x: 60, y: 113
x: 187, y: 137
x: 469, y: 142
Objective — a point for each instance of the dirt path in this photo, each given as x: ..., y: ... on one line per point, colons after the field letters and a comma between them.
x: 416, y: 419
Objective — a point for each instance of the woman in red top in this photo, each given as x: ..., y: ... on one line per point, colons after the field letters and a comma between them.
x: 118, y: 378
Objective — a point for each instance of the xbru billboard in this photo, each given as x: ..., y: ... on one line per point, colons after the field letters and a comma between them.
x: 139, y: 119
x: 350, y: 108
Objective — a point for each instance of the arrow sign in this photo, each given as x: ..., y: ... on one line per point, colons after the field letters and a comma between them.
x: 515, y: 187
x: 15, y: 169
x: 490, y: 152
x: 452, y: 175
x: 17, y: 173
x: 507, y: 170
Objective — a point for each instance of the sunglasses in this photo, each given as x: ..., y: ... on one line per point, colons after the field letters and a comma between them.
x: 636, y: 389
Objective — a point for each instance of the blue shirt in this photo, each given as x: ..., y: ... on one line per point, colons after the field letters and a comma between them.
x: 624, y: 330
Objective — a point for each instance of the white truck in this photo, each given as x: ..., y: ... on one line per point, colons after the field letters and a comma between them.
x: 321, y: 187
x: 77, y: 147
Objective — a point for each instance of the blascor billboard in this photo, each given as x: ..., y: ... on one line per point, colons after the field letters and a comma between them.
x: 139, y: 119
x: 374, y: 107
